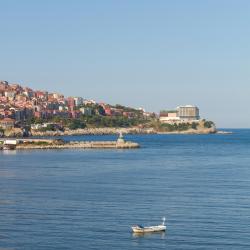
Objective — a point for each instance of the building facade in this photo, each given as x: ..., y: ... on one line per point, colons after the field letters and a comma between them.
x: 188, y: 112
x: 182, y: 114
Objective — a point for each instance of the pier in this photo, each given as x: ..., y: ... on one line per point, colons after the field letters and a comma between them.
x: 21, y: 144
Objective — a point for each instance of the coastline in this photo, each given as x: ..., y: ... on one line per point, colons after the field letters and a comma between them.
x: 36, y: 141
x: 115, y: 131
x: 17, y: 133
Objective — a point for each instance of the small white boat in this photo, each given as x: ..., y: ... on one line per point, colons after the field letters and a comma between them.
x: 141, y: 229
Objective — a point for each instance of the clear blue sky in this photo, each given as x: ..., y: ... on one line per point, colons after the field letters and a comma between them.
x: 152, y: 54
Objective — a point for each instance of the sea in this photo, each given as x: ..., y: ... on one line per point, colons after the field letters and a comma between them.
x: 89, y: 199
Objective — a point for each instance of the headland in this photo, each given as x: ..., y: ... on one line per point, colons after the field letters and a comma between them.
x: 25, y: 112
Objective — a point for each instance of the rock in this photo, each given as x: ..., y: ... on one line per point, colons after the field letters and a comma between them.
x: 14, y: 132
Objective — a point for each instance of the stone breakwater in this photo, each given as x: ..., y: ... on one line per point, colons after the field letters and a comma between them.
x: 81, y: 145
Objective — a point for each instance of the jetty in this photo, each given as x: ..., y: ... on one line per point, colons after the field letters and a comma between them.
x: 23, y: 143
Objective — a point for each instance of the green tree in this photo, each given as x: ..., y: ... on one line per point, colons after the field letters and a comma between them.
x: 76, y: 124
x: 1, y: 132
x: 100, y: 110
x: 194, y: 125
x: 208, y: 124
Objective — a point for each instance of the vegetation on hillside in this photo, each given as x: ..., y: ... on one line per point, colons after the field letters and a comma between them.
x: 178, y: 126
x: 208, y: 124
x: 98, y: 119
x: 94, y: 121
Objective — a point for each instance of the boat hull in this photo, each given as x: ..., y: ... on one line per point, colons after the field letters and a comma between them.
x: 152, y: 229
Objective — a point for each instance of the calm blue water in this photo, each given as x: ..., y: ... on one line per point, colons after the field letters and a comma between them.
x: 88, y: 199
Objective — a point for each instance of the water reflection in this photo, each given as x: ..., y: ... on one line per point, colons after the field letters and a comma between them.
x: 162, y: 235
x: 8, y: 152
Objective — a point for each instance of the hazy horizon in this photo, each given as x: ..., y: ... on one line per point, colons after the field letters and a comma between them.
x: 155, y: 55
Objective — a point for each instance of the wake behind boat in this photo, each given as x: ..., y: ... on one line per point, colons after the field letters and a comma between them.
x: 142, y: 229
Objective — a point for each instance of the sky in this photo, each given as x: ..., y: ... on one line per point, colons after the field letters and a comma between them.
x: 155, y: 54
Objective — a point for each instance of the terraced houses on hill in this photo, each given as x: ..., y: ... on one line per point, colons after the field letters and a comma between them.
x: 20, y: 104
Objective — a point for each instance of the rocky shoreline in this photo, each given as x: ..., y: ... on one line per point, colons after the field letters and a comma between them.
x: 112, y: 131
x: 94, y: 131
x: 17, y: 133
x: 193, y: 131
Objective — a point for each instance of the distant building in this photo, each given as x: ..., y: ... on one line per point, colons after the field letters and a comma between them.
x: 41, y: 95
x: 86, y: 102
x: 57, y: 96
x: 28, y: 93
x: 10, y: 94
x: 169, y: 117
x: 52, y: 106
x: 19, y: 114
x: 182, y: 114
x: 86, y: 111
x: 188, y: 112
x: 108, y: 111
x: 71, y: 103
x: 78, y: 101
x: 61, y: 108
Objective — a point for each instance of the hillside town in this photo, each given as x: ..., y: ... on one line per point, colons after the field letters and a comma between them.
x: 25, y: 111
x: 23, y: 106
